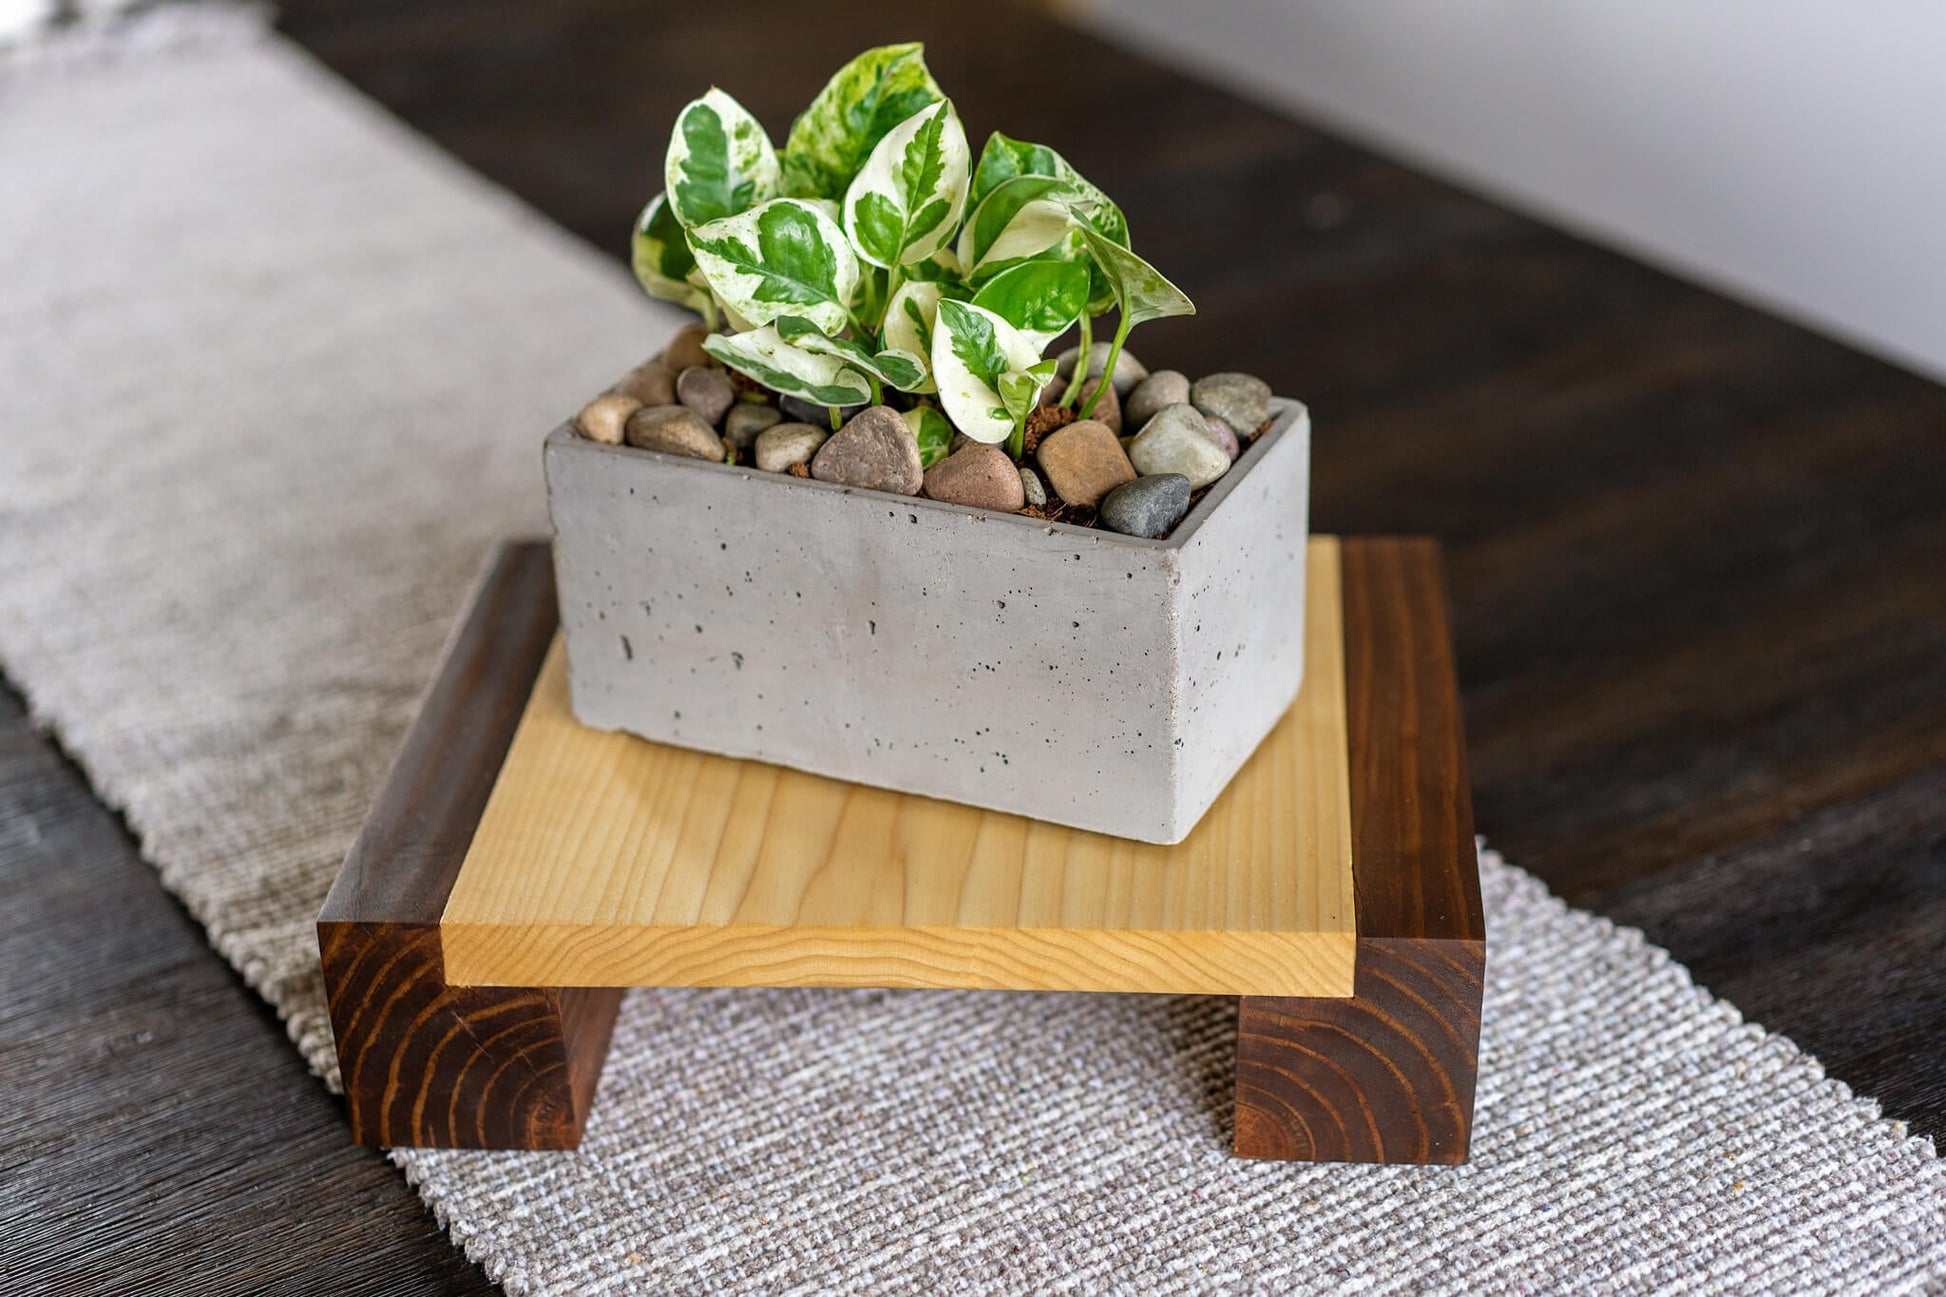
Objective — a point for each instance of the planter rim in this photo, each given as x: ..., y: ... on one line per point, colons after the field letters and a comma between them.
x: 1284, y: 412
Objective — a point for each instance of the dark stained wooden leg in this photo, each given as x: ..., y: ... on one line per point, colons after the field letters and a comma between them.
x: 1387, y: 1075
x: 423, y: 1063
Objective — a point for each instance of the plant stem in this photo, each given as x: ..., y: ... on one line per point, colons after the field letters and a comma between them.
x: 1017, y: 440
x: 709, y: 313
x: 894, y: 280
x: 831, y: 412
x: 878, y: 393
x: 1122, y: 327
x: 1073, y: 393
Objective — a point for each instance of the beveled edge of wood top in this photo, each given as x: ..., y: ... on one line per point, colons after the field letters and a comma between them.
x: 1388, y: 1075
x: 422, y: 1063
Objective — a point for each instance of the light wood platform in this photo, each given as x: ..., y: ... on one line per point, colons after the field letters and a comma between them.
x: 1343, y: 865
x: 606, y: 860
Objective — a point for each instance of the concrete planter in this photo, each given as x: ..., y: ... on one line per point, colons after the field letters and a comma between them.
x: 1056, y: 672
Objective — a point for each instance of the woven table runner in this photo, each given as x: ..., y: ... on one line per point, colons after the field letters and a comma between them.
x: 273, y: 378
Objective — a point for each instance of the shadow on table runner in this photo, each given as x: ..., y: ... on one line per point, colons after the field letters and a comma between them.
x: 285, y: 448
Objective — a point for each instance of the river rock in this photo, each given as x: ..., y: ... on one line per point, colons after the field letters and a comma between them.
x: 1128, y: 370
x: 650, y: 383
x: 674, y: 430
x: 685, y: 350
x: 875, y: 450
x: 707, y: 391
x: 1240, y: 400
x: 745, y: 420
x: 604, y: 418
x: 980, y: 477
x: 1083, y: 462
x: 1164, y: 387
x: 1107, y: 410
x: 1178, y: 441
x: 1031, y: 489
x: 1148, y: 506
x: 1220, y: 433
x: 782, y: 446
x: 801, y: 410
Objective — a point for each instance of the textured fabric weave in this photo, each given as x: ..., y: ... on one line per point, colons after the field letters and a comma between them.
x: 267, y: 398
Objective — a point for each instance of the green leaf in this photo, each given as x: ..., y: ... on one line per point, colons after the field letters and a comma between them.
x: 896, y: 366
x: 1041, y: 298
x: 1004, y: 159
x: 1020, y: 219
x: 720, y: 162
x: 932, y: 431
x: 764, y: 355
x: 857, y: 108
x: 660, y: 255
x: 787, y: 257
x: 1140, y: 290
x: 1020, y: 388
x: 972, y: 351
x: 906, y: 202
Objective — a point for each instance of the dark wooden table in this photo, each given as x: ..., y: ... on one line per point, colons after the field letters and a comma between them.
x: 1698, y: 560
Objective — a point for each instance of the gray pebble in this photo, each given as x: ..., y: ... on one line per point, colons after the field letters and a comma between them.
x: 1240, y: 400
x: 1128, y: 370
x: 745, y: 420
x: 1178, y: 440
x: 1148, y: 506
x: 1164, y: 387
x: 778, y: 448
x: 674, y: 430
x: 1030, y: 484
x: 875, y: 451
x: 706, y: 390
x: 801, y: 410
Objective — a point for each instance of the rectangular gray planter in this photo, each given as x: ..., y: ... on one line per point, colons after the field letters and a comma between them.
x: 1057, y: 672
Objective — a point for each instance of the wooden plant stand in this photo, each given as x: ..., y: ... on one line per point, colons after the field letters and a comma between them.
x: 1333, y: 888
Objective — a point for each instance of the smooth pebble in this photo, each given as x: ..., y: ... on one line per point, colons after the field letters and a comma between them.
x: 875, y: 450
x: 685, y: 349
x: 604, y: 418
x: 651, y: 383
x: 1164, y: 387
x: 1178, y: 440
x: 1128, y: 370
x: 1148, y: 506
x: 707, y: 391
x: 745, y: 420
x: 674, y: 430
x: 1240, y: 400
x: 778, y: 448
x: 1031, y: 489
x: 1083, y: 462
x: 980, y: 477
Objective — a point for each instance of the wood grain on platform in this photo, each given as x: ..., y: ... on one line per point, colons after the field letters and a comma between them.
x: 425, y: 1063
x: 606, y: 860
x: 1387, y: 1075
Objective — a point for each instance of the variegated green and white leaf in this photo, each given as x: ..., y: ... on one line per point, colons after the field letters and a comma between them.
x: 905, y: 203
x: 932, y: 430
x: 765, y: 356
x: 1019, y: 389
x: 942, y: 267
x: 660, y: 255
x: 972, y: 351
x: 1021, y: 218
x: 902, y: 369
x: 857, y: 108
x: 720, y: 162
x: 1140, y: 290
x: 1041, y: 298
x: 1004, y: 159
x: 787, y: 257
x: 909, y: 320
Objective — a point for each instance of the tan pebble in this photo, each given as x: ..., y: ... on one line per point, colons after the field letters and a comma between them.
x: 1107, y: 410
x: 686, y: 349
x: 651, y: 383
x: 1084, y: 462
x: 604, y: 418
x: 786, y: 446
x: 674, y: 430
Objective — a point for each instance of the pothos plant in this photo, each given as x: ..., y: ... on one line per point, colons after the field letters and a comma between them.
x: 873, y: 254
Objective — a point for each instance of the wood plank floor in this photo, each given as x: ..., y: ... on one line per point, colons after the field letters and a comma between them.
x: 1698, y: 559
